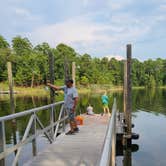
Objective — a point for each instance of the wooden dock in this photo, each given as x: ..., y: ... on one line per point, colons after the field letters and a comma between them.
x: 81, y: 149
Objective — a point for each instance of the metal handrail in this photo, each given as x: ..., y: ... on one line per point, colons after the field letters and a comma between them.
x: 50, y: 131
x: 109, y: 149
x: 30, y: 111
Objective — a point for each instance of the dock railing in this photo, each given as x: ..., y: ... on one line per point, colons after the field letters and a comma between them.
x: 31, y: 131
x: 108, y: 156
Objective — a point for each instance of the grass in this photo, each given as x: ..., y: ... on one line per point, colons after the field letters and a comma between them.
x: 163, y: 87
x: 25, y: 90
x: 40, y: 90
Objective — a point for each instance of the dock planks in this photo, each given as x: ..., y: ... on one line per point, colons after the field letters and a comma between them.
x: 81, y: 149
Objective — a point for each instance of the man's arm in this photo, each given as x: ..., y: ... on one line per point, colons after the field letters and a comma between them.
x: 54, y: 87
x: 75, y: 103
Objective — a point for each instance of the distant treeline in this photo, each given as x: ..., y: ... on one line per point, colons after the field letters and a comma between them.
x: 30, y: 65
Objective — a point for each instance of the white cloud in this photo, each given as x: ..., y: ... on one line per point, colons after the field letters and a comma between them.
x: 85, y: 2
x: 75, y: 30
x: 105, y: 30
x: 22, y: 12
x: 163, y: 7
x: 25, y: 15
x: 97, y: 39
x: 83, y: 30
x: 86, y: 34
x: 117, y: 57
x: 118, y: 4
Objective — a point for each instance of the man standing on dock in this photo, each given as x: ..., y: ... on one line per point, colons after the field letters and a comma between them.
x: 70, y: 102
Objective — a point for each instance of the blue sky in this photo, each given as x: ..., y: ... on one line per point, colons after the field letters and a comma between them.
x: 98, y: 27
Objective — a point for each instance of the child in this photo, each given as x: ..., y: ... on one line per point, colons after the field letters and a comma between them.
x: 105, y: 101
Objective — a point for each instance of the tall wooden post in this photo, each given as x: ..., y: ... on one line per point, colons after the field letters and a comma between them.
x: 52, y: 93
x: 127, y: 160
x: 73, y: 73
x: 10, y: 80
x: 51, y: 74
x: 66, y: 69
x: 128, y: 93
x: 125, y: 89
x: 12, y: 103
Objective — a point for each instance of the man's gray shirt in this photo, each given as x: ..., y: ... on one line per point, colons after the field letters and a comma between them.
x: 70, y: 94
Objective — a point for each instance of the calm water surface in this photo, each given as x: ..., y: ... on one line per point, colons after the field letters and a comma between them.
x: 149, y: 117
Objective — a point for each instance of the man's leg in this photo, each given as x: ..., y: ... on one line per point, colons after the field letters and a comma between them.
x: 71, y: 126
x: 75, y: 124
x: 70, y: 117
x: 76, y: 129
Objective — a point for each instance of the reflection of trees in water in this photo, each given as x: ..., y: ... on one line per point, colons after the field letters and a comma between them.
x: 22, y: 103
x: 149, y: 100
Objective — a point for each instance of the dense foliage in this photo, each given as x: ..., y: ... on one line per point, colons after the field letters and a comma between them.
x: 30, y: 65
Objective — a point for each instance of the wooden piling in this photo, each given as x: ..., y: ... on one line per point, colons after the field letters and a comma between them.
x: 10, y: 81
x: 73, y: 73
x: 51, y: 74
x: 125, y: 89
x: 52, y: 93
x: 66, y: 69
x: 127, y: 160
x: 127, y: 94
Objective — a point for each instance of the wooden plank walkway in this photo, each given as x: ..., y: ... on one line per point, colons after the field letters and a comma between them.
x: 81, y: 149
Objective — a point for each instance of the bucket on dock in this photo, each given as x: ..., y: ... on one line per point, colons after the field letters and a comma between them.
x: 79, y: 120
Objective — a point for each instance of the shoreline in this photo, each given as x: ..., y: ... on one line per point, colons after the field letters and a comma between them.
x: 40, y: 90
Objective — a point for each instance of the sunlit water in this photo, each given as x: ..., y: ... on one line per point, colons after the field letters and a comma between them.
x: 149, y: 117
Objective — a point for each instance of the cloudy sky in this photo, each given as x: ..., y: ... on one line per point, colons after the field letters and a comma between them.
x: 98, y: 27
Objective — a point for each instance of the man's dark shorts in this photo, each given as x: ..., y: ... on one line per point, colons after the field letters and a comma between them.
x: 71, y: 114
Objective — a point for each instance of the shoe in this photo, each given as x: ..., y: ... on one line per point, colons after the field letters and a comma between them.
x: 70, y: 132
x: 76, y: 130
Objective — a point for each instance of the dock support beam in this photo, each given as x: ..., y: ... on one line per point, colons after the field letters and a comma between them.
x: 51, y: 74
x: 128, y: 94
x: 52, y: 93
x: 10, y: 82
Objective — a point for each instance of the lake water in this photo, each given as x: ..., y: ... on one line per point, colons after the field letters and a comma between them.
x: 149, y: 117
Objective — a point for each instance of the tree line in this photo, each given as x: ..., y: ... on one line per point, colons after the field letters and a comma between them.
x: 30, y: 65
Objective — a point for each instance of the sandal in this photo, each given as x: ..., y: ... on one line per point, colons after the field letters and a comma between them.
x: 70, y: 133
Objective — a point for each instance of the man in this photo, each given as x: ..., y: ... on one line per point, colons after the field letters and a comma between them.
x: 105, y: 101
x: 70, y: 102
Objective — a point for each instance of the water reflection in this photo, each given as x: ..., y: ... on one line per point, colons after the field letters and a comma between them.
x: 149, y: 110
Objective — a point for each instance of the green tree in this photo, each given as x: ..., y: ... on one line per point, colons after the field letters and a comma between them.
x: 5, y: 53
x: 3, y: 43
x: 21, y: 46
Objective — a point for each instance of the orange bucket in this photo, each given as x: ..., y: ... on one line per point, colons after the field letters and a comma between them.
x: 79, y: 120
